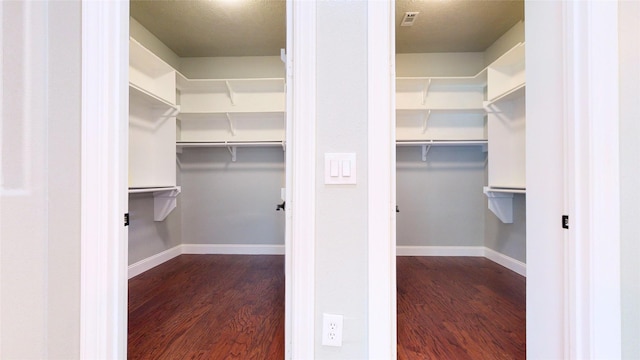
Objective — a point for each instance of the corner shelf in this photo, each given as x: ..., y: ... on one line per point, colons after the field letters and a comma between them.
x: 230, y: 145
x: 164, y: 199
x: 427, y: 144
x: 501, y: 201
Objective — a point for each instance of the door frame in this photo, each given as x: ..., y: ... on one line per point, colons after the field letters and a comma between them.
x: 104, y: 189
x: 103, y: 237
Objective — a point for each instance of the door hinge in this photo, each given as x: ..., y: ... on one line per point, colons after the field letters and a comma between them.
x: 126, y: 219
x: 565, y: 221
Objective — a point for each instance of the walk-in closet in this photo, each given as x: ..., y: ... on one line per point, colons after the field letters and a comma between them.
x: 460, y: 160
x: 207, y: 174
x: 206, y: 178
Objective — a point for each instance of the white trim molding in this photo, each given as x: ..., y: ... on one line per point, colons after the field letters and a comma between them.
x: 382, y: 329
x: 506, y: 261
x: 593, y: 181
x: 149, y: 263
x: 103, y: 298
x: 472, y: 251
x: 406, y: 250
x: 202, y: 249
x: 300, y: 234
x: 233, y: 249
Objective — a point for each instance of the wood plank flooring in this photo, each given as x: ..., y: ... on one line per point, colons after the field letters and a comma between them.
x: 232, y: 307
x: 208, y: 307
x: 459, y: 308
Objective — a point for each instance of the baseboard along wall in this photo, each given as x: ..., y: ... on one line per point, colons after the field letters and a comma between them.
x: 245, y: 249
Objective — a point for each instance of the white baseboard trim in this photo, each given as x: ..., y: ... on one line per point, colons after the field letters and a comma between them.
x: 236, y: 249
x: 439, y: 250
x: 498, y: 258
x: 506, y: 261
x: 245, y: 249
x: 153, y: 261
x: 240, y: 249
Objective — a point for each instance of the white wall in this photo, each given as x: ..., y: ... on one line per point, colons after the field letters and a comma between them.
x: 232, y: 67
x: 341, y: 211
x: 504, y: 43
x: 441, y: 201
x: 629, y: 36
x: 227, y: 202
x: 439, y: 64
x: 148, y: 40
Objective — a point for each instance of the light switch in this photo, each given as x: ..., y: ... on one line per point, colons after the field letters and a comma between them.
x: 339, y: 168
x: 334, y: 166
x: 346, y: 168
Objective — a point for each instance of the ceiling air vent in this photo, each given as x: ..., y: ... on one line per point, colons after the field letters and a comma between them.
x: 409, y: 18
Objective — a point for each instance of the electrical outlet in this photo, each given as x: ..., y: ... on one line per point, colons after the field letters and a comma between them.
x: 331, y: 330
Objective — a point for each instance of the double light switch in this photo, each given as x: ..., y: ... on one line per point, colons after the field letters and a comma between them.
x: 340, y: 168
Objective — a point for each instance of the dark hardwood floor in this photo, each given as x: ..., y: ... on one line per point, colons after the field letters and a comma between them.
x: 459, y: 308
x: 232, y: 307
x: 208, y: 307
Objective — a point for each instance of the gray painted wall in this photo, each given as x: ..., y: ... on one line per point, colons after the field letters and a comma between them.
x: 341, y: 211
x: 629, y: 36
x: 225, y: 202
x: 508, y: 239
x: 441, y: 201
x: 146, y: 236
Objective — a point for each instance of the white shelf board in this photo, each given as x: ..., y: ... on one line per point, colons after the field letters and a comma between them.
x: 513, y: 56
x: 152, y: 189
x: 511, y: 94
x: 196, y: 144
x: 140, y: 95
x: 480, y: 110
x: 248, y: 85
x: 404, y: 84
x: 505, y: 190
x: 500, y: 202
x: 442, y: 142
x: 221, y: 115
x: 164, y: 199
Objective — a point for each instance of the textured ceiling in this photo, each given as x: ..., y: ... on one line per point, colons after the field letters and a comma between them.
x: 215, y: 27
x: 257, y: 27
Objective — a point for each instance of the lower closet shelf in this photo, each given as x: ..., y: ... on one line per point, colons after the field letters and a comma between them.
x: 501, y: 201
x: 164, y: 199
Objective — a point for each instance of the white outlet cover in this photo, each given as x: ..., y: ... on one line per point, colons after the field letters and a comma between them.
x: 332, y: 329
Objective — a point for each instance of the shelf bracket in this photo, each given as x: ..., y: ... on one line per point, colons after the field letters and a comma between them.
x: 231, y: 128
x: 501, y: 204
x: 425, y: 91
x: 284, y: 146
x: 425, y: 151
x: 232, y: 95
x: 232, y: 151
x: 164, y: 202
x: 427, y: 115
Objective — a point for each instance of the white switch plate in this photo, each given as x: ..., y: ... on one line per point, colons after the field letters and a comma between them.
x: 343, y: 161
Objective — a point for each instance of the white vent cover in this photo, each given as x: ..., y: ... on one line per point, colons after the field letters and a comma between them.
x: 409, y: 18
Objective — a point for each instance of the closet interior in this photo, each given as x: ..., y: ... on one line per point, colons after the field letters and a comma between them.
x: 461, y: 148
x: 206, y: 152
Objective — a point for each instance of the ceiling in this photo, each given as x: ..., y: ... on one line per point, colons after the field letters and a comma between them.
x: 194, y: 28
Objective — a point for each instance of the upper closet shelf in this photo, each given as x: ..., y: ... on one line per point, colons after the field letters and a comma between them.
x: 506, y: 76
x: 142, y: 96
x: 150, y: 74
x: 232, y: 86
x: 410, y: 84
x: 511, y: 94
